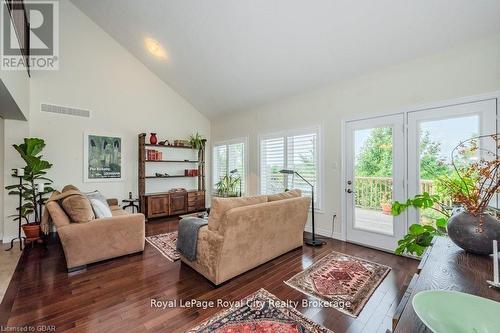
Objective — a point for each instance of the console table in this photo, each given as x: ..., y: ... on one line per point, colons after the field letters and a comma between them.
x: 444, y: 266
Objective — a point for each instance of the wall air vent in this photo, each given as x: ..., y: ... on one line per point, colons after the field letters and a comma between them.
x: 65, y: 110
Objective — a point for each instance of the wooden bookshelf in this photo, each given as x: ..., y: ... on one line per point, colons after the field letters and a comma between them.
x: 166, y: 203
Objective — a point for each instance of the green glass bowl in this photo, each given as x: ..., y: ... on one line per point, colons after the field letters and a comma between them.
x: 456, y: 312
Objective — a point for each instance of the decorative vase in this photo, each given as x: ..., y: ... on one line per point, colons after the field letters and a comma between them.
x: 31, y: 230
x: 153, y: 139
x: 474, y: 234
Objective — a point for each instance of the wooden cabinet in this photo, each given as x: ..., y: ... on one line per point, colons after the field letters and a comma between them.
x: 158, y: 205
x: 173, y: 203
x: 195, y: 201
x: 178, y: 204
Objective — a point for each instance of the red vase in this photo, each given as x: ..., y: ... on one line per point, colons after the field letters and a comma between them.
x: 153, y: 139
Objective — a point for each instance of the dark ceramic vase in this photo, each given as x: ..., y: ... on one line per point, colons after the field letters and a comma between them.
x: 465, y: 231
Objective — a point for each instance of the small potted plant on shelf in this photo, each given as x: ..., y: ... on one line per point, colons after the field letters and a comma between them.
x: 30, y: 189
x: 197, y: 141
x: 470, y: 223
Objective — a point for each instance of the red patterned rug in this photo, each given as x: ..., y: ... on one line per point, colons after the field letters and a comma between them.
x: 166, y: 244
x: 261, y: 312
x: 341, y: 281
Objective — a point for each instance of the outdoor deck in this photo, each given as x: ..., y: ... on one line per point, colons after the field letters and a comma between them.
x: 373, y: 220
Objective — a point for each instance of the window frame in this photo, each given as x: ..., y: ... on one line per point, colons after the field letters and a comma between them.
x: 318, y: 130
x: 244, y: 141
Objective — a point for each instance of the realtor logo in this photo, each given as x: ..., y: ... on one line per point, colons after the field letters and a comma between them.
x: 29, y: 35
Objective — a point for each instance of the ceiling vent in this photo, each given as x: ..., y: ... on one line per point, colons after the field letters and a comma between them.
x: 65, y: 110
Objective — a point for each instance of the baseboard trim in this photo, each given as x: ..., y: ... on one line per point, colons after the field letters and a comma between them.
x: 324, y: 232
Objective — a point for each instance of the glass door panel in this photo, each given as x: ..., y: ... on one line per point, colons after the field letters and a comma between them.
x: 373, y: 162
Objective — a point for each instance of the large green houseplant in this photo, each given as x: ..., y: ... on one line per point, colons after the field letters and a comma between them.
x: 471, y: 223
x: 227, y: 186
x: 35, y: 171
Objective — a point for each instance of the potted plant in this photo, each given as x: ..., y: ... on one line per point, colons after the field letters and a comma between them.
x: 34, y: 173
x: 197, y: 141
x: 386, y: 204
x: 471, y: 223
x: 227, y: 186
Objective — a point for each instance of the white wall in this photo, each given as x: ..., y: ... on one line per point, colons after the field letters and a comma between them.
x: 14, y: 133
x: 17, y: 83
x: 463, y: 71
x: 124, y: 97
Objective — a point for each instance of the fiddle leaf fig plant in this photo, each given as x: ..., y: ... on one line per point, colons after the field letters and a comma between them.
x: 35, y: 172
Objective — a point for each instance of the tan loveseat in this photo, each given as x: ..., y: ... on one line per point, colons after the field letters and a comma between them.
x: 243, y: 233
x: 98, y: 239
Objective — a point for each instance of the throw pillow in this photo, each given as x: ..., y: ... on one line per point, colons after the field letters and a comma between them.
x: 99, y: 204
x: 78, y: 207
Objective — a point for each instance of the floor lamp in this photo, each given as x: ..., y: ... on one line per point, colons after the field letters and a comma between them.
x: 309, y: 241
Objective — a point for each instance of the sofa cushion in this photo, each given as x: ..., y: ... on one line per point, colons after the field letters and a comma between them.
x: 99, y: 204
x: 285, y: 195
x: 57, y: 214
x: 221, y: 205
x: 78, y: 207
x: 119, y: 212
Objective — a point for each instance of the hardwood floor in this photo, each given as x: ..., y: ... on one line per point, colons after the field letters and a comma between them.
x: 115, y: 296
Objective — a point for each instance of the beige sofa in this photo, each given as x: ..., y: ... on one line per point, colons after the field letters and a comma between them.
x: 243, y: 233
x: 98, y: 239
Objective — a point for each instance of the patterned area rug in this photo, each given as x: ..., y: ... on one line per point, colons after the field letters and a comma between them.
x: 341, y: 281
x: 259, y: 312
x: 166, y: 244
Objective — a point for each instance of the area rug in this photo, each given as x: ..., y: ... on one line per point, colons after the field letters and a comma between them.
x: 166, y: 244
x: 259, y: 312
x: 341, y: 281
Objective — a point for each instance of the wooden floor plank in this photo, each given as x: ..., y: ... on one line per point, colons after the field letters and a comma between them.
x: 115, y: 295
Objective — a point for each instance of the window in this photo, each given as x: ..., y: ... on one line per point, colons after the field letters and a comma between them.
x: 298, y: 151
x: 229, y: 156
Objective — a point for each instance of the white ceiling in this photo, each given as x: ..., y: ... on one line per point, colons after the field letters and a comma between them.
x: 230, y: 55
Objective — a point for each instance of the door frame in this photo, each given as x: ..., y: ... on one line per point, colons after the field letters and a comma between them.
x: 405, y: 111
x: 397, y: 123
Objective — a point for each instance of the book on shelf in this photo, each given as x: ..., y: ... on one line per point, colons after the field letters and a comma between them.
x: 153, y: 155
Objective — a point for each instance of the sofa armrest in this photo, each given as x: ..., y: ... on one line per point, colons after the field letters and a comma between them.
x: 112, y: 202
x: 101, y: 239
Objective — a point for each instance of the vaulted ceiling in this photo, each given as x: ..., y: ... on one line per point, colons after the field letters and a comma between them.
x: 230, y: 55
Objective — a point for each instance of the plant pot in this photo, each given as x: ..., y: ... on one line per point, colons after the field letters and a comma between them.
x: 465, y: 231
x: 31, y: 230
x: 386, y: 208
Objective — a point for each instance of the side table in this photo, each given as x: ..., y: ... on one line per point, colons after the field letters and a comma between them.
x: 134, y: 203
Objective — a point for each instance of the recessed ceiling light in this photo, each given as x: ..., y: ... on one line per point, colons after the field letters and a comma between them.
x: 155, y: 48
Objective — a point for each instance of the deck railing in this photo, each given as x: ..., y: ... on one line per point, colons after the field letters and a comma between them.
x: 372, y: 192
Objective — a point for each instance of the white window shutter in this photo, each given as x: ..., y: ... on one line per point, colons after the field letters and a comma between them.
x: 272, y: 160
x: 220, y: 163
x: 302, y: 152
x: 236, y: 161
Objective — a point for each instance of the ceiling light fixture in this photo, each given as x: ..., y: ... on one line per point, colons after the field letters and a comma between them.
x: 155, y: 48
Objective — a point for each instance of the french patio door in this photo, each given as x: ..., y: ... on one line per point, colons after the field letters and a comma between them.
x: 384, y: 162
x: 441, y: 129
x: 375, y: 176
